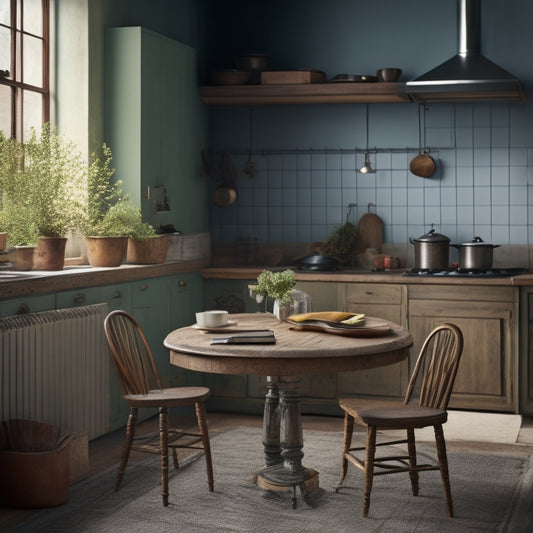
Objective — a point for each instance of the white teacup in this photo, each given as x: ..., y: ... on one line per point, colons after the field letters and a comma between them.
x: 212, y: 319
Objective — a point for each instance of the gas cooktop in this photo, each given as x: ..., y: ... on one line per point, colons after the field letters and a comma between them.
x: 461, y: 273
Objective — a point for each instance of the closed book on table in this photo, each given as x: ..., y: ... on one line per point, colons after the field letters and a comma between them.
x: 248, y: 337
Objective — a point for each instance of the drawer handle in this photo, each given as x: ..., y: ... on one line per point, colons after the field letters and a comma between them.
x: 79, y: 298
x: 23, y: 309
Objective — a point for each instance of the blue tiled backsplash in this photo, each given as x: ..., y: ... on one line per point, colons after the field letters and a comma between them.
x: 482, y: 186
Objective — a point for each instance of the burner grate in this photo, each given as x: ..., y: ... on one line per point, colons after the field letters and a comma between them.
x: 464, y: 273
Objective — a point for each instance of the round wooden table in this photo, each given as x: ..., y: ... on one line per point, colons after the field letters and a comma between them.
x: 295, y: 353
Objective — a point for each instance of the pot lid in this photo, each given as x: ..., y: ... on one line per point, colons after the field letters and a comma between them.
x: 432, y: 236
x: 478, y: 241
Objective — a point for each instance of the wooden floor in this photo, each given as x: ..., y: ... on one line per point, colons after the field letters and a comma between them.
x: 104, y: 452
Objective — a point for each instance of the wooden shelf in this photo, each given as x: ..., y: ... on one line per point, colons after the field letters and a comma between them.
x: 311, y: 93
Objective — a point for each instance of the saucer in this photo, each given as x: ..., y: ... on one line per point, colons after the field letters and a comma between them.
x: 219, y: 328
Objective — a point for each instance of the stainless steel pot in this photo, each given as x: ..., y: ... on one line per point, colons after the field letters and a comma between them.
x: 432, y: 251
x: 475, y: 255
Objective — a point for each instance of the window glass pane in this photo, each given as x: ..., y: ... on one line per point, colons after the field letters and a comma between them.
x: 33, y: 112
x: 5, y: 49
x: 5, y: 12
x: 33, y: 17
x: 5, y: 109
x: 33, y: 63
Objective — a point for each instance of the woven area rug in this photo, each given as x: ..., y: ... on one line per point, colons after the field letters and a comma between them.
x: 488, y: 492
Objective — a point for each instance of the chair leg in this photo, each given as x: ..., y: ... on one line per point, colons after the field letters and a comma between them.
x: 202, y: 425
x: 348, y: 434
x: 443, y: 465
x: 411, y: 447
x: 126, y: 447
x: 369, y: 466
x: 163, y: 444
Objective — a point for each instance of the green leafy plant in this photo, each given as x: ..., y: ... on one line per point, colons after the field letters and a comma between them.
x: 43, y: 184
x: 56, y: 175
x: 275, y: 285
x: 109, y: 211
x: 340, y: 243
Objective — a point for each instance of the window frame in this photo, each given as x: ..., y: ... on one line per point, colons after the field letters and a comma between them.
x: 17, y: 88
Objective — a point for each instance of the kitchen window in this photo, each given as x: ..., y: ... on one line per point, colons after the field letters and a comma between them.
x: 24, y: 66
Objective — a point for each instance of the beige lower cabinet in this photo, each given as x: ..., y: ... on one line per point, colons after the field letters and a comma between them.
x: 387, y: 301
x: 487, y: 378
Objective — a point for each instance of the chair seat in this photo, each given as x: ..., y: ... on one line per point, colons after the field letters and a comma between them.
x: 170, y: 397
x: 354, y: 406
x: 403, y: 416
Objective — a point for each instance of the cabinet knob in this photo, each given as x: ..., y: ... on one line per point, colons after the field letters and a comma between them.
x: 144, y: 287
x: 79, y: 298
x: 182, y: 283
x: 116, y: 295
x: 23, y: 309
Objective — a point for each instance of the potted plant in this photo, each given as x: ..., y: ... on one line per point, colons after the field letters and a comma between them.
x: 22, y: 231
x: 145, y: 246
x: 275, y: 285
x: 45, y: 178
x: 110, y: 217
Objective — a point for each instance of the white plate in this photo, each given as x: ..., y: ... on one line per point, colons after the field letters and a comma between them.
x: 220, y: 328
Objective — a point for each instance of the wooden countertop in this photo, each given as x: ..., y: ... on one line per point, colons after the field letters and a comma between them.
x: 34, y: 282
x: 358, y: 276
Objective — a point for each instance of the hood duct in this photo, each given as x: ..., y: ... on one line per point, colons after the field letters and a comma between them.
x: 468, y: 76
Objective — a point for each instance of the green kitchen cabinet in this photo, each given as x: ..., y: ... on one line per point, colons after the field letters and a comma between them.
x: 27, y: 304
x: 78, y: 297
x: 156, y: 126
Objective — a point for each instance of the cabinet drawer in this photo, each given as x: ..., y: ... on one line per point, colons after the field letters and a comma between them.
x: 373, y: 293
x: 463, y: 292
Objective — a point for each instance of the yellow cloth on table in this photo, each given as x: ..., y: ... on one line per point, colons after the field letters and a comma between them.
x: 329, y: 316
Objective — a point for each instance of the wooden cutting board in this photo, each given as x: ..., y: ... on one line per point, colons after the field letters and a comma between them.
x: 369, y: 233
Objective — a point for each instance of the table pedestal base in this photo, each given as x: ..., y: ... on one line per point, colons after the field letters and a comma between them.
x: 277, y: 479
x: 283, y: 442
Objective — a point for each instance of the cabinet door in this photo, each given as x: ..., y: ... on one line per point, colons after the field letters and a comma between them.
x: 381, y: 301
x: 486, y: 375
x: 526, y: 356
x: 156, y: 125
x: 77, y: 298
x: 27, y: 304
x: 117, y: 296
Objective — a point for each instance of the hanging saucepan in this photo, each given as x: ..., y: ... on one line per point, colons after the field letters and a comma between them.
x: 422, y: 165
x: 431, y: 251
x: 475, y: 255
x: 224, y: 195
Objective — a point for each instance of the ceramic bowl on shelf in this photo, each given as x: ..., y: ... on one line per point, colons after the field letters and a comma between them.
x: 389, y: 74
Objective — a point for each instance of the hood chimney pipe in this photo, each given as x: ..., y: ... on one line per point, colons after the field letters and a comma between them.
x: 468, y: 76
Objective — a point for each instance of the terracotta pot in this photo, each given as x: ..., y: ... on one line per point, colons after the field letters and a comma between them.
x: 34, y: 461
x: 106, y: 251
x: 50, y: 253
x: 25, y: 257
x: 149, y: 251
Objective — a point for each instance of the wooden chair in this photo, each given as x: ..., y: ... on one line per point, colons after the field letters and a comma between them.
x: 425, y: 404
x: 141, y: 387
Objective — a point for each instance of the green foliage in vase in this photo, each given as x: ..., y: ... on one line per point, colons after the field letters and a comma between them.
x: 275, y: 285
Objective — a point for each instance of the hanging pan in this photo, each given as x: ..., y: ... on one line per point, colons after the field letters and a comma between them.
x: 423, y: 165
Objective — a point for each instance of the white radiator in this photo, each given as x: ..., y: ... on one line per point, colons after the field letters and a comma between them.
x: 55, y: 368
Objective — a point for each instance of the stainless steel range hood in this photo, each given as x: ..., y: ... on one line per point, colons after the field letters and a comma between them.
x: 468, y: 76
